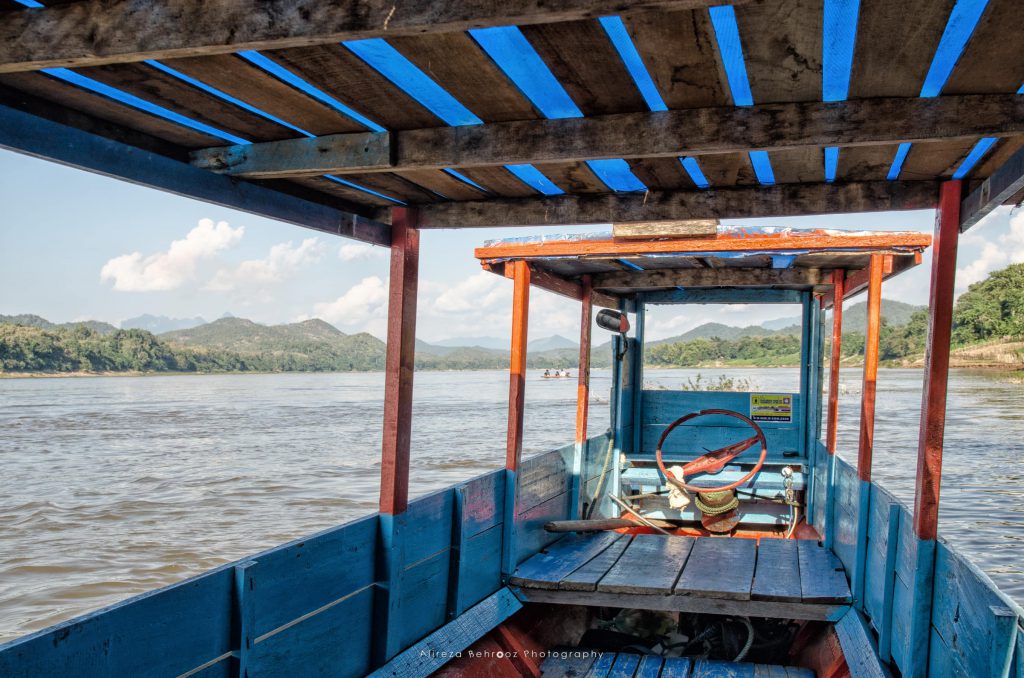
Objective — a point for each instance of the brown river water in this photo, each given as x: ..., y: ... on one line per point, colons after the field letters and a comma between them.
x: 111, y: 486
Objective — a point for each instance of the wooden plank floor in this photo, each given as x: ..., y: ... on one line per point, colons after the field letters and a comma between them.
x: 624, y: 665
x: 793, y: 579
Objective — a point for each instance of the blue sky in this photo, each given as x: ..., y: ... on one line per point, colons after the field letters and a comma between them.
x: 80, y: 246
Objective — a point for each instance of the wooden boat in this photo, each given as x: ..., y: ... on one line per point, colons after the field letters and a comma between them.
x: 662, y: 121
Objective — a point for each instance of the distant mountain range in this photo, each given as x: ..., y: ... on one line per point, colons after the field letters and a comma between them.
x: 158, y: 324
x: 30, y: 320
x: 855, y: 318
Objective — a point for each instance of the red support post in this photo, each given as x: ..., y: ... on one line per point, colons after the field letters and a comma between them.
x: 871, y: 338
x: 400, y: 361
x: 520, y: 274
x: 838, y: 287
x: 582, y: 397
x: 936, y: 370
x: 517, y: 366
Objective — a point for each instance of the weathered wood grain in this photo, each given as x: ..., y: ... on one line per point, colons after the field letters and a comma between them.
x: 719, y: 568
x: 668, y: 134
x: 650, y: 565
x: 777, y: 574
x: 821, y: 574
x: 725, y: 203
x: 858, y: 648
x: 710, y: 277
x: 672, y: 229
x: 1004, y: 183
x: 585, y: 578
x: 113, y: 31
x: 546, y: 569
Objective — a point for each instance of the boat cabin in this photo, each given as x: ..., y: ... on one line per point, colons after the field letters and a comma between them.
x: 703, y: 534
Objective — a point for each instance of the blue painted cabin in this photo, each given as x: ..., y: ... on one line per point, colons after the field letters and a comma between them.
x: 546, y: 566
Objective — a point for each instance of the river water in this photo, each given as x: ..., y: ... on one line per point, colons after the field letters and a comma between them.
x: 114, y: 486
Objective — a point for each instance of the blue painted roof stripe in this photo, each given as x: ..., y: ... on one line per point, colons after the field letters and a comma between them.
x: 762, y: 167
x: 616, y: 175
x: 727, y: 34
x: 30, y: 3
x: 959, y: 28
x: 284, y: 75
x: 225, y: 96
x: 630, y: 264
x: 512, y: 52
x: 839, y: 37
x: 141, y: 104
x: 619, y: 36
x: 693, y: 169
x: 534, y: 178
x: 364, y: 189
x: 390, y: 63
x: 1021, y: 90
x: 897, y: 162
x: 831, y: 163
x: 976, y: 154
x: 464, y: 179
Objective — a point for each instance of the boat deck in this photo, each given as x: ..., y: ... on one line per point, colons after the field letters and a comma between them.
x: 780, y: 578
x: 624, y: 665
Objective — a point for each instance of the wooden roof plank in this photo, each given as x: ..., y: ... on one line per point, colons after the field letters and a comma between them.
x: 498, y: 181
x: 62, y: 94
x: 235, y: 76
x: 709, y: 277
x: 156, y: 87
x: 722, y: 203
x: 895, y: 45
x: 333, y: 188
x: 661, y: 174
x: 782, y: 49
x: 457, y: 63
x: 798, y: 165
x: 993, y: 60
x: 583, y: 59
x: 395, y: 186
x: 349, y: 79
x: 574, y: 177
x: 727, y: 169
x: 929, y: 160
x: 1004, y: 184
x: 680, y: 53
x: 443, y: 184
x: 865, y: 163
x: 95, y: 32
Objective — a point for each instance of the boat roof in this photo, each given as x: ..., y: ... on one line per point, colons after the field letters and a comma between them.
x: 742, y: 257
x: 330, y: 115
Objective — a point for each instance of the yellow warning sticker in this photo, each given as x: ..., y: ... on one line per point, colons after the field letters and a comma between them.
x: 771, y: 407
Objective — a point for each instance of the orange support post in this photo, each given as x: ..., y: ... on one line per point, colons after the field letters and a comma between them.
x: 516, y: 401
x: 394, y: 467
x: 838, y: 286
x: 871, y: 337
x: 582, y: 397
x: 933, y: 425
x: 936, y: 370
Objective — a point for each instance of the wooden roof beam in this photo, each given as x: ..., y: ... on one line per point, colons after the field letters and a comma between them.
x: 96, y: 32
x: 721, y: 203
x: 709, y: 277
x: 556, y: 284
x: 675, y: 133
x: 996, y: 190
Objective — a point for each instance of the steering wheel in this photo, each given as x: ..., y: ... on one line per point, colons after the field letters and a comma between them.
x: 715, y: 460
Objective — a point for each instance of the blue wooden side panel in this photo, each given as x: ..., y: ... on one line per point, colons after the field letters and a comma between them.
x: 660, y: 408
x: 844, y: 516
x: 820, y: 489
x: 477, y: 541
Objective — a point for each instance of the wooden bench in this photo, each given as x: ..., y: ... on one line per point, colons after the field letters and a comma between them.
x: 581, y: 663
x: 778, y: 578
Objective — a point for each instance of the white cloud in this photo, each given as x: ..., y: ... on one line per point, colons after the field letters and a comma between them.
x: 361, y: 252
x: 1005, y: 250
x: 171, y: 269
x: 282, y: 262
x: 476, y: 293
x: 364, y: 302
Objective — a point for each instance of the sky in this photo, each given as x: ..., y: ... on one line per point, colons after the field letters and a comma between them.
x: 79, y: 246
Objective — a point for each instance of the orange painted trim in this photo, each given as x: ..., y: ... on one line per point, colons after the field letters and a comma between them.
x: 400, y: 361
x: 838, y: 287
x: 857, y: 281
x: 517, y: 366
x: 583, y: 385
x: 871, y: 337
x: 546, y: 280
x: 936, y: 370
x: 815, y: 240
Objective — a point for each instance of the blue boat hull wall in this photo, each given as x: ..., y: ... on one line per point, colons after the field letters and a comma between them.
x: 312, y: 606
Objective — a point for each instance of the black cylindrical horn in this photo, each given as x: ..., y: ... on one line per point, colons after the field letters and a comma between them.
x: 613, y: 321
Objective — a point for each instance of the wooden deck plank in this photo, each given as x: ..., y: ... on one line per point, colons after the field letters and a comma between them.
x: 719, y: 568
x: 713, y: 668
x: 586, y: 577
x: 649, y: 566
x: 601, y: 666
x: 550, y: 566
x: 625, y: 665
x: 676, y: 667
x: 651, y: 667
x: 558, y: 666
x: 821, y: 574
x: 777, y: 574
